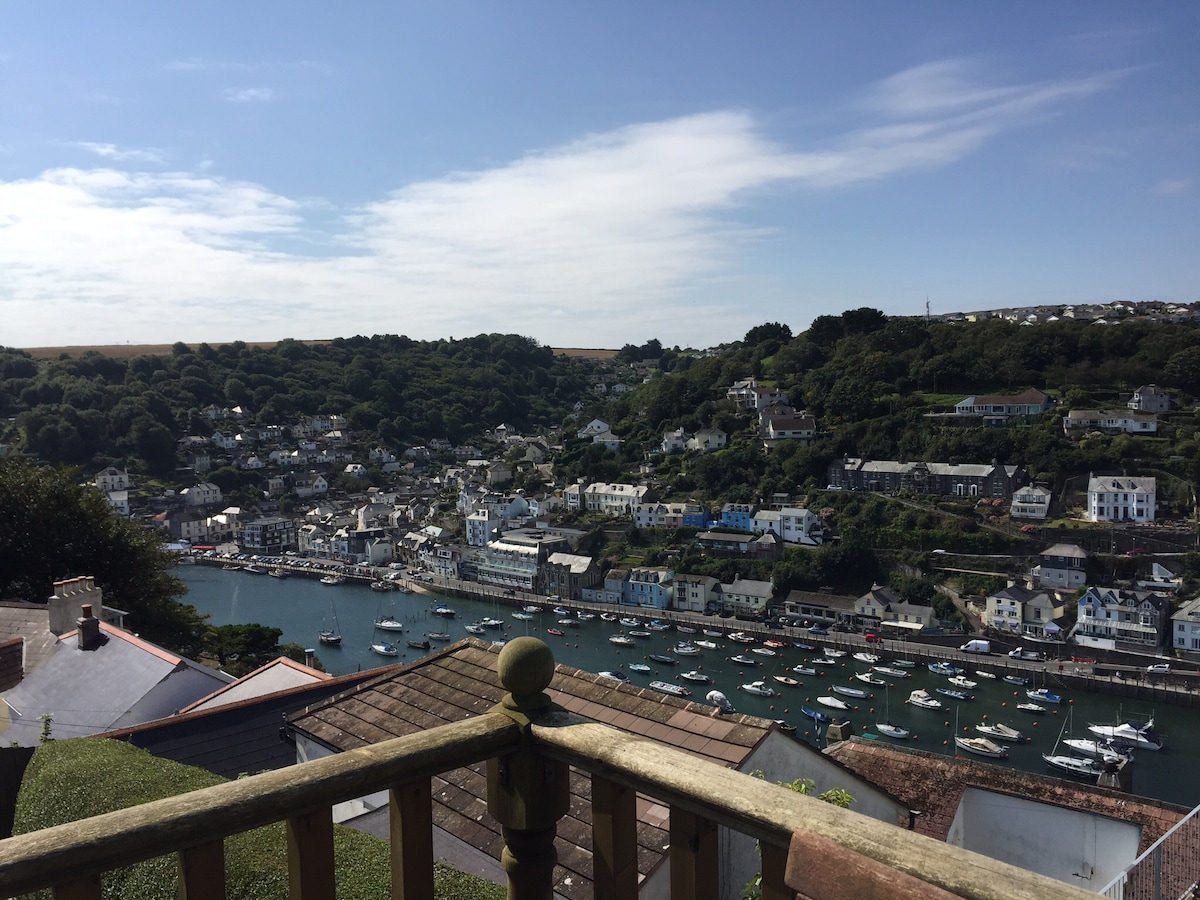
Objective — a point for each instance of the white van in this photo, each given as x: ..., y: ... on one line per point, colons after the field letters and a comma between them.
x: 976, y: 647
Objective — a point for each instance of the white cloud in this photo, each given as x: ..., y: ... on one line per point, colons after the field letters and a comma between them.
x: 249, y: 95
x: 619, y: 234
x: 116, y: 154
x: 1173, y: 186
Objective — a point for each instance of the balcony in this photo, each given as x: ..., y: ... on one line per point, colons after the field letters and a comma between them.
x: 807, y: 846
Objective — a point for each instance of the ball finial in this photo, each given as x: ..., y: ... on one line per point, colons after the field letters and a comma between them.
x: 526, y: 666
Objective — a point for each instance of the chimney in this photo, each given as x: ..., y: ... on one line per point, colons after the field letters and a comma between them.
x: 89, y: 629
x: 310, y: 657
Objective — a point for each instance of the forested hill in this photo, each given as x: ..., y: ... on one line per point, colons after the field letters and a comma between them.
x: 868, y: 379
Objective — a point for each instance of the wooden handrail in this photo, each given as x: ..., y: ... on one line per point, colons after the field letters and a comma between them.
x: 90, y: 846
x: 771, y: 814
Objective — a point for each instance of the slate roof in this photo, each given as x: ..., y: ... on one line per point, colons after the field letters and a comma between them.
x: 461, y: 681
x: 247, y: 735
x: 933, y: 784
x: 124, y: 681
x: 277, y: 675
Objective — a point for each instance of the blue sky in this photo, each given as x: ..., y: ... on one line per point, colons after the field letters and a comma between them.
x: 585, y: 174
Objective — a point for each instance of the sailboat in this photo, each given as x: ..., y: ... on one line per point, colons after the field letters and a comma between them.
x: 886, y: 727
x: 388, y: 622
x: 1088, y: 769
x: 331, y: 637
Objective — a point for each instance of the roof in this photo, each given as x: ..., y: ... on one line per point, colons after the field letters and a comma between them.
x: 461, y: 681
x: 1073, y: 551
x: 277, y: 675
x: 238, y: 737
x: 934, y: 783
x: 124, y: 681
x: 30, y: 621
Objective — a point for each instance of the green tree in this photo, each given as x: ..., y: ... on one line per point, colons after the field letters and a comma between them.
x: 52, y: 527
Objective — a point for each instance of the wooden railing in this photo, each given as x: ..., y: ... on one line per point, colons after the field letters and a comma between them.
x: 825, y: 852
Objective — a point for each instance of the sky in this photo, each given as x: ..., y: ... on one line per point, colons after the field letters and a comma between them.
x: 585, y: 174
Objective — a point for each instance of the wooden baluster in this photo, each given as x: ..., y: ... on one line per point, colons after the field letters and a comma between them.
x: 202, y: 872
x: 310, y: 856
x: 83, y: 889
x: 695, y: 869
x: 774, y: 870
x: 527, y: 792
x: 411, y: 807
x: 614, y: 840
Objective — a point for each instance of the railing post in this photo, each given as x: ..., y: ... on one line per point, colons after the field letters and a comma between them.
x: 528, y: 792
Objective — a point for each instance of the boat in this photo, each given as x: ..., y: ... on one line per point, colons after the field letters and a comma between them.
x: 981, y: 746
x: 531, y: 609
x: 823, y: 661
x: 622, y: 640
x: 1001, y: 733
x: 762, y: 651
x: 849, y: 691
x: 705, y: 645
x: 961, y: 681
x: 1076, y: 766
x: 665, y: 687
x: 331, y: 637
x: 230, y: 567
x: 786, y: 679
x: 489, y: 622
x: 800, y: 645
x: 1017, y: 680
x: 920, y: 697
x: 944, y: 668
x: 605, y: 617
x: 904, y: 664
x: 888, y: 670
x: 474, y: 628
x: 1105, y: 751
x: 277, y: 572
x: 615, y: 676
x: 835, y: 654
x: 774, y: 644
x: 1032, y: 708
x: 955, y: 693
x: 664, y: 659
x: 886, y: 728
x: 561, y: 611
x: 446, y: 612
x: 805, y: 670
x: 585, y: 616
x: 441, y: 636
x: 385, y: 648
x: 638, y: 633
x: 388, y: 623
x: 1043, y: 694
x: 713, y: 632
x: 816, y: 715
x: 982, y: 674
x: 400, y: 588
x: 1137, y: 735
x: 557, y: 632
x: 719, y: 700
x: 656, y: 625
x: 630, y: 622
x: 685, y: 629
x: 744, y: 660
x: 418, y: 643
x: 254, y: 569
x: 870, y: 658
x: 683, y: 648
x: 569, y: 622
x: 740, y: 637
x: 334, y: 579
x: 833, y: 702
x: 522, y: 616
x: 759, y: 688
x: 870, y: 678
x: 638, y: 667
x: 698, y: 677
x: 381, y: 586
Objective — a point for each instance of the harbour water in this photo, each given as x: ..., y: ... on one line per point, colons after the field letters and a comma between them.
x: 301, y: 607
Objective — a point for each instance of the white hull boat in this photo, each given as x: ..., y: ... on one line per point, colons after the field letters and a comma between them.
x: 981, y: 746
x: 920, y: 697
x: 833, y: 702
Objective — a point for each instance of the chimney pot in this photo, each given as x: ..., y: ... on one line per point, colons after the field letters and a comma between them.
x: 89, y: 629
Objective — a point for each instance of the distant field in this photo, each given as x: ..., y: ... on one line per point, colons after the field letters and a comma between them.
x: 127, y: 351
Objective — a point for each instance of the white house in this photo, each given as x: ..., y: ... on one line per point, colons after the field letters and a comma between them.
x: 1185, y: 627
x: 1109, y: 421
x: 1108, y: 617
x: 480, y: 525
x: 310, y: 484
x: 749, y: 394
x: 613, y: 499
x: 1150, y: 398
x: 793, y: 525
x: 674, y: 440
x: 1031, y: 502
x: 707, y: 439
x: 594, y: 427
x: 201, y: 494
x: 1121, y: 498
x: 112, y: 479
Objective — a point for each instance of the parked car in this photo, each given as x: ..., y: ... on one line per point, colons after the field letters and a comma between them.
x: 817, y: 629
x: 1158, y: 669
x: 872, y: 638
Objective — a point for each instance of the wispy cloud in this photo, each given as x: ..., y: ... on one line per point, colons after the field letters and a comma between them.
x: 635, y: 225
x: 1173, y: 186
x: 249, y: 95
x: 117, y: 154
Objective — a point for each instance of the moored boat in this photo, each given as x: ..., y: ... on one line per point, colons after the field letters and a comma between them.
x: 254, y: 569
x: 894, y: 673
x: 334, y: 579
x: 759, y: 688
x: 892, y: 731
x: 786, y: 679
x: 961, y: 681
x: 1077, y: 766
x: 387, y: 623
x: 441, y: 636
x: 823, y: 661
x: 638, y: 667
x: 1033, y: 708
x: 385, y: 648
x: 665, y: 687
x: 330, y: 638
x: 1138, y: 735
x: 705, y: 645
x: 744, y: 660
x: 418, y: 643
x: 1044, y: 695
x: 955, y: 693
x: 981, y: 746
x: 762, y: 651
x: 622, y: 640
x: 816, y: 715
x: 869, y: 678
x: 944, y: 668
x: 804, y: 670
x: 557, y: 632
x: 698, y: 677
x: 870, y: 658
x: 446, y: 612
x: 683, y: 648
x: 381, y: 586
x: 664, y: 659
x: 849, y: 691
x: 1001, y: 732
x: 920, y: 697
x: 833, y: 702
x: 615, y: 676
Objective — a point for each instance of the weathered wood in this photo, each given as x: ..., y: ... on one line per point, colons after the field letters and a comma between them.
x: 202, y: 872
x: 771, y: 813
x: 695, y: 862
x: 824, y: 870
x: 310, y: 856
x: 411, y: 808
x: 774, y: 872
x: 614, y: 840
x: 127, y: 836
x: 81, y: 889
